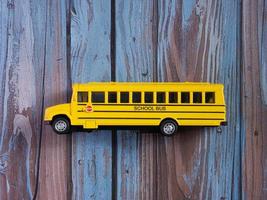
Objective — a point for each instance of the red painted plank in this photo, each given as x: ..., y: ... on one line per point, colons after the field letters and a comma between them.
x: 55, y: 157
x: 254, y: 99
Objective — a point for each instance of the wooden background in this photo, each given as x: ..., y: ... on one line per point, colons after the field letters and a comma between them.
x: 45, y: 45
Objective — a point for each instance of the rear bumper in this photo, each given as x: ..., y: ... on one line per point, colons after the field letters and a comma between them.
x: 224, y: 123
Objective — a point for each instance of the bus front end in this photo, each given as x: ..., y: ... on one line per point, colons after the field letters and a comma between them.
x: 59, y: 117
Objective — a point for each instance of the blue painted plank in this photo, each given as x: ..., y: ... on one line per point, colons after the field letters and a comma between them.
x: 21, y: 69
x: 199, y: 41
x: 90, y: 61
x: 54, y: 170
x: 135, y: 61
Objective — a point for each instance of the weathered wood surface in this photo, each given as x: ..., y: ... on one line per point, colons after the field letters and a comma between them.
x: 206, y: 40
x: 195, y: 42
x: 55, y: 150
x: 90, y: 61
x: 135, y: 61
x: 33, y: 76
x: 22, y: 53
x: 254, y: 99
x: 198, y: 41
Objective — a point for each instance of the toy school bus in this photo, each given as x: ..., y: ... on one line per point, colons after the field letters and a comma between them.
x: 167, y: 105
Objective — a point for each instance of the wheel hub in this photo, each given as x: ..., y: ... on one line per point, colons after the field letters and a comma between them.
x: 169, y: 128
x: 61, y: 125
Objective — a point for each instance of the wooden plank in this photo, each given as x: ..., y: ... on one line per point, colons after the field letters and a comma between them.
x: 135, y: 61
x: 22, y: 25
x: 254, y: 99
x: 55, y: 158
x: 90, y: 54
x: 199, y: 41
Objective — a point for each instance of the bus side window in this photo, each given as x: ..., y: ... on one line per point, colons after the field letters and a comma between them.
x: 136, y: 97
x: 210, y: 97
x: 173, y: 97
x: 148, y: 97
x: 197, y: 97
x: 161, y: 97
x: 124, y: 97
x: 82, y: 96
x: 185, y: 97
x: 98, y: 97
x: 112, y: 97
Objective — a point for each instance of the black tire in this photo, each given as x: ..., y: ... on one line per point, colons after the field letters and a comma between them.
x: 168, y: 127
x: 61, y: 125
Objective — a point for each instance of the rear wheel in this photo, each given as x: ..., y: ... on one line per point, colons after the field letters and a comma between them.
x: 168, y: 127
x: 61, y: 125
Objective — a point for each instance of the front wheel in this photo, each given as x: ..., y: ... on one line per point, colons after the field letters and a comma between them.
x: 61, y: 125
x: 168, y: 127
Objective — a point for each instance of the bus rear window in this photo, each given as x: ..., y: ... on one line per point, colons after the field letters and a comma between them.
x: 148, y: 97
x: 173, y: 97
x: 210, y: 97
x: 185, y: 97
x: 112, y: 97
x: 136, y: 97
x: 82, y: 96
x: 98, y: 97
x: 124, y: 97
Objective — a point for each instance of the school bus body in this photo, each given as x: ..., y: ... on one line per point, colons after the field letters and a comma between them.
x: 91, y: 115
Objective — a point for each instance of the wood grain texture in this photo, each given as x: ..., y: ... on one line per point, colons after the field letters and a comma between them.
x: 198, y: 41
x: 90, y: 61
x: 254, y: 101
x: 55, y: 158
x: 156, y: 40
x: 21, y: 69
x: 135, y: 61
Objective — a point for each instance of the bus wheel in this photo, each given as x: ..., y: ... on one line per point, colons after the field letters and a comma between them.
x: 168, y: 127
x: 61, y: 125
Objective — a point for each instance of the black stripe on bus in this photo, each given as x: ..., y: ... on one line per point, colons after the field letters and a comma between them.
x: 113, y: 104
x: 149, y: 118
x: 200, y: 119
x: 114, y: 118
x: 82, y: 104
x: 158, y: 111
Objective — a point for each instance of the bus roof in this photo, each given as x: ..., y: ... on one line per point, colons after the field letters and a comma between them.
x: 149, y: 85
x: 146, y: 83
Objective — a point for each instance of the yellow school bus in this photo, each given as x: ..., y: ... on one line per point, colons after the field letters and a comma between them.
x: 166, y: 105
